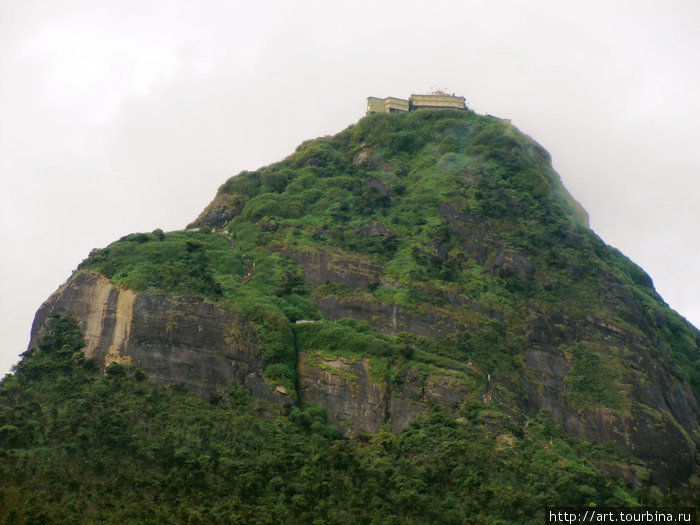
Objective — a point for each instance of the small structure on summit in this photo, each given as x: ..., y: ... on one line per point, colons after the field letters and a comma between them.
x: 387, y: 105
x: 435, y: 100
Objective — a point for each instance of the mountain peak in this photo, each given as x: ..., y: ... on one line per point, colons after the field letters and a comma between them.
x: 417, y: 260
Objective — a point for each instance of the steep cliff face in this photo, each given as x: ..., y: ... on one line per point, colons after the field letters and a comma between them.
x: 183, y: 340
x: 411, y: 261
x: 649, y: 408
x: 190, y: 341
x: 358, y: 400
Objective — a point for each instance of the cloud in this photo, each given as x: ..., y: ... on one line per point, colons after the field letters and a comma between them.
x: 126, y: 116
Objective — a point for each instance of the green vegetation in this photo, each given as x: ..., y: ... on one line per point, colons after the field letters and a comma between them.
x: 81, y: 447
x: 448, y: 230
x: 591, y: 380
x: 267, y: 288
x: 346, y: 336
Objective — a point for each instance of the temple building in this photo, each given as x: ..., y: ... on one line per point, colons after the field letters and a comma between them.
x: 435, y: 100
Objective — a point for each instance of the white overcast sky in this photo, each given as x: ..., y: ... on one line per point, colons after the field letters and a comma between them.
x: 123, y: 116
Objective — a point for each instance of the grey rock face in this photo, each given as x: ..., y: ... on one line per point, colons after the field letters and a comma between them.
x: 173, y: 340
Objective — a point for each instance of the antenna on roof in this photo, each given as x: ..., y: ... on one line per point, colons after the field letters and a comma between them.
x: 436, y: 90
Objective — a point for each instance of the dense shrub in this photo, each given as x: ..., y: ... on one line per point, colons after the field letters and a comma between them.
x: 116, y: 449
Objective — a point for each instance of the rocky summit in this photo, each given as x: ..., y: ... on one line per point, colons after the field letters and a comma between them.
x: 419, y: 291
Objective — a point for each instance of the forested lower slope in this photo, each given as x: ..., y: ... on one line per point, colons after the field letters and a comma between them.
x: 79, y: 446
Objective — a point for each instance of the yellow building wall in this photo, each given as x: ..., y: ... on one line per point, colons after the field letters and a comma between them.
x: 438, y: 100
x: 375, y: 105
x: 393, y: 104
x: 386, y: 105
x: 396, y: 105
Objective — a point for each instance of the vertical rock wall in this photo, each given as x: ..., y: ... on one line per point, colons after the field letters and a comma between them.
x: 172, y: 339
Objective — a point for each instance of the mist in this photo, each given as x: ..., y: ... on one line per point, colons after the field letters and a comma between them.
x: 119, y: 117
